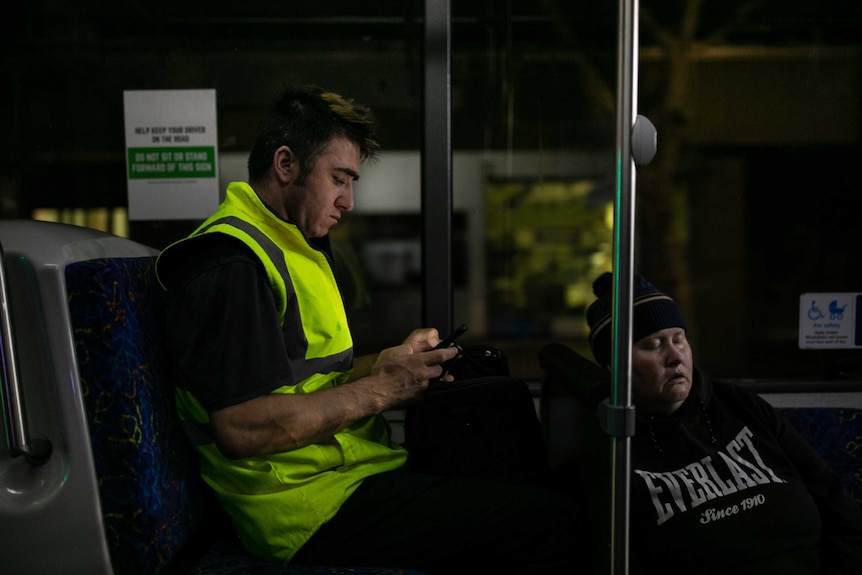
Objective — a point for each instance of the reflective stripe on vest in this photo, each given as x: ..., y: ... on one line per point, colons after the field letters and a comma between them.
x: 272, y: 251
x: 296, y: 343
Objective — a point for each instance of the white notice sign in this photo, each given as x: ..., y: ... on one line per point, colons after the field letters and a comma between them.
x: 171, y: 154
x: 829, y: 320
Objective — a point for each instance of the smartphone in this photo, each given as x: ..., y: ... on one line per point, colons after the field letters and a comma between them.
x: 449, y: 340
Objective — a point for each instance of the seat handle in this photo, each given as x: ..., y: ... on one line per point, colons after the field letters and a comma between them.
x: 38, y: 451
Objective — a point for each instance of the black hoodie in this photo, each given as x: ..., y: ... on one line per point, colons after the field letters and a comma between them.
x: 726, y: 485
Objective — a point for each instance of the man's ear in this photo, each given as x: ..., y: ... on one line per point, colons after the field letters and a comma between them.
x: 285, y: 165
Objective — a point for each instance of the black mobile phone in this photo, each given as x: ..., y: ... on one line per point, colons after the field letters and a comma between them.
x: 449, y: 340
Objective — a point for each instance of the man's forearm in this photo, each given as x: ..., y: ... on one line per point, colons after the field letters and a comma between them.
x: 283, y: 422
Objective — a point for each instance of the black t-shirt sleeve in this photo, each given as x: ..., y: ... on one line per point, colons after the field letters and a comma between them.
x: 222, y: 324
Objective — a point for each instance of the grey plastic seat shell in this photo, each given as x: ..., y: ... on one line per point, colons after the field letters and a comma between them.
x: 50, y: 514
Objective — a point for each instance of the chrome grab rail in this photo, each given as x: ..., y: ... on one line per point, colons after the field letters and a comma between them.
x: 39, y: 450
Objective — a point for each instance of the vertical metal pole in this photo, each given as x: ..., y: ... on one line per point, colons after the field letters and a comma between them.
x: 437, y: 168
x: 624, y: 216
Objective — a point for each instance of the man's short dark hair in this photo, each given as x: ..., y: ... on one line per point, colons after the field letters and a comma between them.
x: 306, y: 118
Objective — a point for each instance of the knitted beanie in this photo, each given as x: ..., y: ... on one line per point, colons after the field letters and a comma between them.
x: 651, y: 312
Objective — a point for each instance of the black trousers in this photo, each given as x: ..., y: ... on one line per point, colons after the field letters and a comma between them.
x: 445, y: 525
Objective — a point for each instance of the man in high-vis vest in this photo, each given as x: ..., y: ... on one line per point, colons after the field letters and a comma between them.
x: 286, y: 422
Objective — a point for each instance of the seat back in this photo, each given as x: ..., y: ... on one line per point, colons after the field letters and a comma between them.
x: 836, y: 435
x: 147, y: 484
x: 829, y: 415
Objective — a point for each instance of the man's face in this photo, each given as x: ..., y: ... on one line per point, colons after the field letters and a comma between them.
x: 316, y: 201
x: 661, y: 370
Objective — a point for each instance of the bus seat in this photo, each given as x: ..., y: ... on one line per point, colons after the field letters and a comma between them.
x: 836, y: 435
x: 123, y: 495
x: 828, y: 414
x: 147, y: 485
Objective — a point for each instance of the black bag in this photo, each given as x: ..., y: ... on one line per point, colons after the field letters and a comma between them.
x: 481, y: 426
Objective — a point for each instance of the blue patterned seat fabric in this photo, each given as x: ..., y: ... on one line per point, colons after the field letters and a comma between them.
x: 836, y: 435
x: 152, y: 498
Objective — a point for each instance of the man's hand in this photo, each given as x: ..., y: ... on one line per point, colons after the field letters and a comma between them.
x: 406, y: 370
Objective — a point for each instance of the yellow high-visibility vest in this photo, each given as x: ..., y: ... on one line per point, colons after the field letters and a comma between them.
x: 276, y: 502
